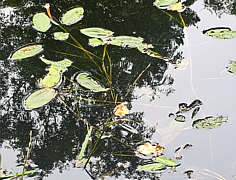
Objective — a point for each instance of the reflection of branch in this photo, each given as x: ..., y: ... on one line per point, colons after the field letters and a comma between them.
x: 139, y: 76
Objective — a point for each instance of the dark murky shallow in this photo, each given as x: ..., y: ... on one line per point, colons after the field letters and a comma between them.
x: 58, y: 134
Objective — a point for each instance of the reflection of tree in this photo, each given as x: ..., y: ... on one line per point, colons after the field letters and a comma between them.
x: 57, y: 133
x: 221, y: 6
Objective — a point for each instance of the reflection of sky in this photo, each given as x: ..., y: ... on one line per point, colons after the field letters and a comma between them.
x: 209, y: 57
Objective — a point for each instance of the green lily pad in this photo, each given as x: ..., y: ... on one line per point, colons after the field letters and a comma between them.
x: 180, y: 118
x: 166, y: 161
x: 159, y: 3
x: 151, y: 167
x: 61, y: 36
x: 232, y: 67
x: 94, y: 42
x: 126, y: 41
x: 209, y: 122
x: 52, y: 79
x: 87, y: 82
x: 95, y: 32
x: 39, y: 98
x: 220, y: 33
x: 27, y: 51
x: 41, y: 22
x: 58, y: 65
x: 72, y: 16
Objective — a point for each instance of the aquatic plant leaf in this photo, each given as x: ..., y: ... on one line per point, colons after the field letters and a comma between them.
x: 96, y: 32
x: 53, y: 78
x: 85, y: 143
x: 87, y: 82
x: 121, y: 110
x: 126, y: 41
x: 220, y: 33
x: 166, y: 161
x: 159, y: 3
x: 151, y: 167
x: 143, y: 47
x: 180, y: 118
x: 39, y: 98
x: 72, y: 16
x: 209, y: 122
x: 94, y: 42
x: 27, y: 51
x: 61, y: 36
x: 148, y: 149
x: 58, y: 65
x: 232, y: 67
x: 16, y: 174
x: 41, y: 22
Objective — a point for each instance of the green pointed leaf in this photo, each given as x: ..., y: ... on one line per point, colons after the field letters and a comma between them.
x: 232, y: 67
x: 94, y: 42
x: 27, y: 51
x: 39, y: 98
x: 95, y: 32
x: 220, y: 33
x: 72, y: 16
x: 209, y: 122
x: 151, y: 167
x: 85, y: 144
x: 61, y: 36
x: 87, y: 82
x: 16, y: 174
x: 159, y: 3
x: 58, y: 65
x: 126, y: 41
x: 52, y: 79
x: 41, y: 22
x: 166, y: 161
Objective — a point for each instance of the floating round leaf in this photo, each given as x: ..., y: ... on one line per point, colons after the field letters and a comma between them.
x: 151, y: 167
x: 72, y: 16
x: 61, y: 36
x: 166, y: 161
x: 27, y: 51
x: 127, y: 41
x: 52, y: 79
x: 96, y: 32
x: 220, y: 33
x: 160, y: 3
x: 94, y: 42
x: 87, y: 82
x: 209, y: 122
x: 39, y: 98
x: 58, y: 65
x: 180, y: 118
x: 41, y: 22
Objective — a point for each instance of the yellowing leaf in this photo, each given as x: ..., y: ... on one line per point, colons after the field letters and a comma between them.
x: 121, y: 110
x: 176, y: 6
x: 148, y: 149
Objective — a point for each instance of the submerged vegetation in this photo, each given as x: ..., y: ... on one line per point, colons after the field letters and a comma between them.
x: 83, y: 83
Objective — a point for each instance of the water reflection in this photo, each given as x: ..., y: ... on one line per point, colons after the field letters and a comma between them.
x: 58, y: 133
x: 221, y: 7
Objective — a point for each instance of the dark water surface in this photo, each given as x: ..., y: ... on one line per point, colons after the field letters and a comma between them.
x: 58, y: 134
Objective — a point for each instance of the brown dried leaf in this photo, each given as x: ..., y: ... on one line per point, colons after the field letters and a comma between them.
x: 148, y: 149
x: 121, y: 110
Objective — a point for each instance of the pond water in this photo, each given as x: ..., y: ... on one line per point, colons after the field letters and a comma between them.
x: 151, y: 92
